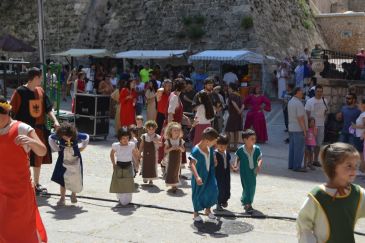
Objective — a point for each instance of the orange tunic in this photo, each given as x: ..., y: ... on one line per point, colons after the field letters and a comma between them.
x: 19, y: 217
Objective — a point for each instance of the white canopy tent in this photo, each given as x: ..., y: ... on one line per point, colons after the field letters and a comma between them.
x: 151, y: 54
x: 85, y: 53
x: 228, y: 56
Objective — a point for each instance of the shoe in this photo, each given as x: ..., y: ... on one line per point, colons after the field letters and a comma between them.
x: 198, y: 219
x: 300, y: 170
x: 61, y: 202
x: 174, y: 189
x: 73, y: 198
x: 150, y: 183
x: 144, y: 181
x: 225, y: 204
x: 286, y: 141
x: 39, y: 189
x: 219, y: 208
x: 312, y: 167
x: 248, y: 209
x: 211, y: 216
x: 316, y: 163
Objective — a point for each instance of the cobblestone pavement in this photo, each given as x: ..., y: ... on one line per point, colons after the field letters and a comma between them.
x: 280, y: 192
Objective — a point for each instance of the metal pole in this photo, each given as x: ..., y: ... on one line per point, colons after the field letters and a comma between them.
x: 40, y: 32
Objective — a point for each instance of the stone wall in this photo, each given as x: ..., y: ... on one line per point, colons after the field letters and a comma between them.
x: 335, y: 91
x: 357, y: 5
x: 343, y: 32
x: 157, y: 24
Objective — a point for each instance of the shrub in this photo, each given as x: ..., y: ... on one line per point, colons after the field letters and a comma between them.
x: 307, y: 24
x: 247, y: 22
x: 195, y: 32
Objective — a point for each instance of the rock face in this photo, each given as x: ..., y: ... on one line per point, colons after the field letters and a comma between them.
x: 280, y: 27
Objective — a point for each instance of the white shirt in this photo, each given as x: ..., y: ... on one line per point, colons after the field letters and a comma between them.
x: 23, y: 129
x: 174, y: 142
x: 317, y: 110
x: 359, y: 122
x: 124, y: 153
x: 150, y: 138
x: 139, y: 88
x: 173, y: 103
x: 200, y: 115
x: 230, y: 78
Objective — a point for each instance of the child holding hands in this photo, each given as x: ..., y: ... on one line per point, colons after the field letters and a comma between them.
x: 203, y: 182
x: 249, y: 162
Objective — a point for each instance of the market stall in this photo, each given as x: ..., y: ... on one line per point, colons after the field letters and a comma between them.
x: 249, y: 66
x: 175, y: 60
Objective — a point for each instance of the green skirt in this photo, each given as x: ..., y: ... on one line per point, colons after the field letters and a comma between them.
x: 122, y: 180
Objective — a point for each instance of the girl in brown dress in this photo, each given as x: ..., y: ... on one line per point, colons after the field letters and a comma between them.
x: 174, y: 147
x: 150, y: 142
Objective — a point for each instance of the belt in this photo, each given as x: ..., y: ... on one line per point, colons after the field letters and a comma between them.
x: 125, y: 164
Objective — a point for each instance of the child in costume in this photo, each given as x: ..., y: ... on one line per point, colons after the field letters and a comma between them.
x: 223, y: 171
x: 249, y: 162
x: 68, y: 171
x: 140, y: 129
x: 203, y: 182
x: 330, y: 212
x: 150, y: 142
x: 20, y: 220
x: 174, y: 146
x: 121, y: 156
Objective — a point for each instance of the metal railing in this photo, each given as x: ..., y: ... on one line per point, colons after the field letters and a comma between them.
x: 340, y: 65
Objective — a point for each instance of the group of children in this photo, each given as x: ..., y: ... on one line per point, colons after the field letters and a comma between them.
x: 137, y: 151
x: 328, y: 214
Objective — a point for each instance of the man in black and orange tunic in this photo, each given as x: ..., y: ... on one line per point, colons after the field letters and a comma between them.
x: 31, y: 105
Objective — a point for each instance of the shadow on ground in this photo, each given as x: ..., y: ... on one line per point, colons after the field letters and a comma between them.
x: 221, y: 227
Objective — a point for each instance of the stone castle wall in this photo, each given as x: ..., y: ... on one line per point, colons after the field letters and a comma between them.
x: 278, y: 28
x: 343, y: 32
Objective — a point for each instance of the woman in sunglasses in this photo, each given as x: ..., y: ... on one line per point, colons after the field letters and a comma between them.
x: 17, y: 200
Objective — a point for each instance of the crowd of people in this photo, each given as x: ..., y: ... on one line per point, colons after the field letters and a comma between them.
x: 178, y: 113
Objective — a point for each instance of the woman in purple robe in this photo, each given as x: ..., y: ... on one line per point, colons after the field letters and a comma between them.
x: 255, y: 118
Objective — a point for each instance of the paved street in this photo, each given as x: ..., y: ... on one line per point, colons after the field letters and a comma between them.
x: 280, y: 192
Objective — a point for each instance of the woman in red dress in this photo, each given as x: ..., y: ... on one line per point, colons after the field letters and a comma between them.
x: 257, y: 103
x: 127, y: 100
x: 20, y: 219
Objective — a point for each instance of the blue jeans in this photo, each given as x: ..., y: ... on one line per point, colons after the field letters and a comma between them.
x: 296, y: 150
x: 347, y: 138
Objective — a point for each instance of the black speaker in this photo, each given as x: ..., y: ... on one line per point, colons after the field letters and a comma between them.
x: 92, y: 105
x: 94, y: 126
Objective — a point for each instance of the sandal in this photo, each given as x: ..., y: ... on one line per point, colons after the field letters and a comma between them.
x: 39, y: 189
x: 211, y: 216
x: 198, y: 218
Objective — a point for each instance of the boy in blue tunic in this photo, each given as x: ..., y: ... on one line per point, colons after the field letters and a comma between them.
x: 249, y: 162
x: 223, y: 171
x: 203, y: 182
